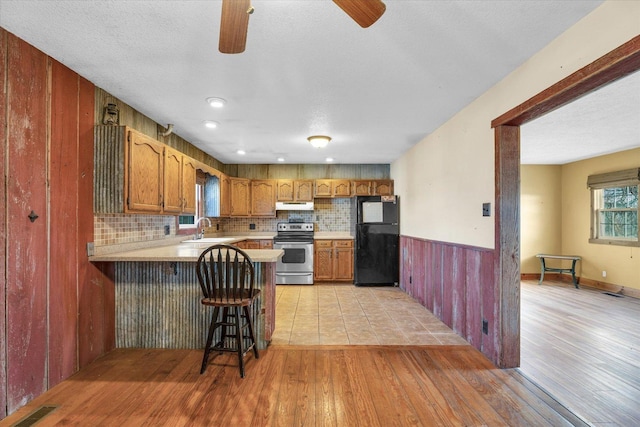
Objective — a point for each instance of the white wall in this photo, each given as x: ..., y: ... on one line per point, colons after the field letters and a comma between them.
x: 444, y: 179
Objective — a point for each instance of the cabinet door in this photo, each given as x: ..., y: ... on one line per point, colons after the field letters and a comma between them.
x: 172, y: 189
x: 303, y: 190
x: 343, y: 256
x: 188, y: 186
x: 383, y: 187
x: 323, y: 260
x: 285, y: 190
x: 341, y: 188
x: 263, y: 198
x: 361, y: 188
x: 144, y: 173
x: 240, y: 196
x: 266, y: 244
x: 252, y: 244
x: 225, y: 196
x: 323, y: 188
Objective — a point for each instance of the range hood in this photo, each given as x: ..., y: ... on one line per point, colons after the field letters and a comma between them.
x: 294, y: 206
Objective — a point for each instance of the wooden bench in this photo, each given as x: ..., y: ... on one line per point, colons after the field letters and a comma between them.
x: 572, y: 270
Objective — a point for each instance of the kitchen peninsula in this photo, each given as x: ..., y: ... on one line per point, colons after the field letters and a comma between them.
x: 157, y: 295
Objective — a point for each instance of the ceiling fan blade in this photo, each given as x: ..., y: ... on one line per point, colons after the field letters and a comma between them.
x: 234, y: 23
x: 364, y: 12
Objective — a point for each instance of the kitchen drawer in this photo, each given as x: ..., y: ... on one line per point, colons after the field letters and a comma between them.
x: 343, y: 243
x: 323, y: 243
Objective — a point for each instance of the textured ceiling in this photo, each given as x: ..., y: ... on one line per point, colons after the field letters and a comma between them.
x: 307, y: 69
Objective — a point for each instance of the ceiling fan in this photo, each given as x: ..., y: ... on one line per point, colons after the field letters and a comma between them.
x: 235, y: 19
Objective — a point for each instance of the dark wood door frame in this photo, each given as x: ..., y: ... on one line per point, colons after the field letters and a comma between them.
x: 618, y: 63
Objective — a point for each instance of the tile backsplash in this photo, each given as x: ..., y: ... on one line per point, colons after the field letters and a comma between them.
x: 328, y: 215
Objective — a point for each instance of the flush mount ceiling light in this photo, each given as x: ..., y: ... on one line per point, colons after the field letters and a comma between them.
x: 216, y: 102
x: 329, y: 159
x: 211, y: 124
x: 319, y: 141
x: 281, y: 159
x: 241, y: 152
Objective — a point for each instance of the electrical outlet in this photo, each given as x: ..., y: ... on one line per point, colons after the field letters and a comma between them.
x: 218, y: 227
x: 485, y: 327
x: 90, y: 249
x: 486, y: 209
x: 252, y: 226
x: 604, y: 273
x: 167, y: 230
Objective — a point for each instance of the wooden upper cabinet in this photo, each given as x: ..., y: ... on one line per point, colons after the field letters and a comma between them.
x: 145, y: 159
x: 240, y: 196
x: 225, y: 195
x: 383, y: 187
x: 134, y: 173
x: 361, y: 187
x: 341, y: 188
x: 284, y: 192
x: 323, y: 188
x: 263, y: 197
x: 172, y: 188
x: 372, y: 187
x: 299, y: 190
x: 332, y: 188
x: 303, y: 190
x: 189, y: 171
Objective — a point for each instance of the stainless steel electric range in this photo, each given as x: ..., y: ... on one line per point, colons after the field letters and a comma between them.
x: 296, y: 265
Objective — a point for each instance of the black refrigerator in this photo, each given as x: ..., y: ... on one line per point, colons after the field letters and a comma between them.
x: 377, y: 249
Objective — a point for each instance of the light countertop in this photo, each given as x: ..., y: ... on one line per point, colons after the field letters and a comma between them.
x: 188, y: 250
x: 182, y: 252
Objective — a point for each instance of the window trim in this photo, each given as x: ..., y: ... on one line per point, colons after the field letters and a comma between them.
x: 624, y: 178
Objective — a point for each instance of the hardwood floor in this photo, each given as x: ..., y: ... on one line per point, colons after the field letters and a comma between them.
x: 296, y: 386
x: 579, y: 347
x: 583, y: 347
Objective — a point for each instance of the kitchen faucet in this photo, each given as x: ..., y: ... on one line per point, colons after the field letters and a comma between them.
x: 201, y: 234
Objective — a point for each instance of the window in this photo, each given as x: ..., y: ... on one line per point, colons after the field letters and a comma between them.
x: 188, y: 221
x: 614, y: 213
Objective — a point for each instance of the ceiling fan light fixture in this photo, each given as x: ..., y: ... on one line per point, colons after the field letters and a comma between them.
x: 216, y: 102
x: 319, y: 141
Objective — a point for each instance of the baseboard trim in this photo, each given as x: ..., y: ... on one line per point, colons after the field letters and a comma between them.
x: 583, y: 281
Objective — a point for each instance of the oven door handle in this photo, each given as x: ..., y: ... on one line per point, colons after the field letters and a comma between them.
x: 294, y: 274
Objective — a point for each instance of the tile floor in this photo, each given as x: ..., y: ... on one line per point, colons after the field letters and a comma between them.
x: 350, y: 315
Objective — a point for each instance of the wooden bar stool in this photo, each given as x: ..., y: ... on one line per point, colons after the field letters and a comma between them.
x: 226, y: 276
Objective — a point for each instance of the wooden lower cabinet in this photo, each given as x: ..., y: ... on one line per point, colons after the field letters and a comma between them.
x: 333, y: 260
x: 255, y: 244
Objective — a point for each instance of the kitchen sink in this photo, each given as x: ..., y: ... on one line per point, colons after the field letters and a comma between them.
x: 212, y: 240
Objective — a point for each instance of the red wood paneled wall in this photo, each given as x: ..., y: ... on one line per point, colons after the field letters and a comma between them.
x: 58, y: 307
x: 457, y: 284
x: 3, y: 231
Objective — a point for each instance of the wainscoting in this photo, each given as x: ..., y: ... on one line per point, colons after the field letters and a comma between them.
x: 456, y: 283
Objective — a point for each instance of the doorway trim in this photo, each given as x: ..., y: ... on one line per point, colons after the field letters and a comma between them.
x: 616, y: 64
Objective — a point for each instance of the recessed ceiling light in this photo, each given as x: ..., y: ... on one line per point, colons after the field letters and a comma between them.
x: 281, y: 159
x: 241, y: 152
x: 329, y: 159
x: 216, y: 102
x: 211, y: 124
